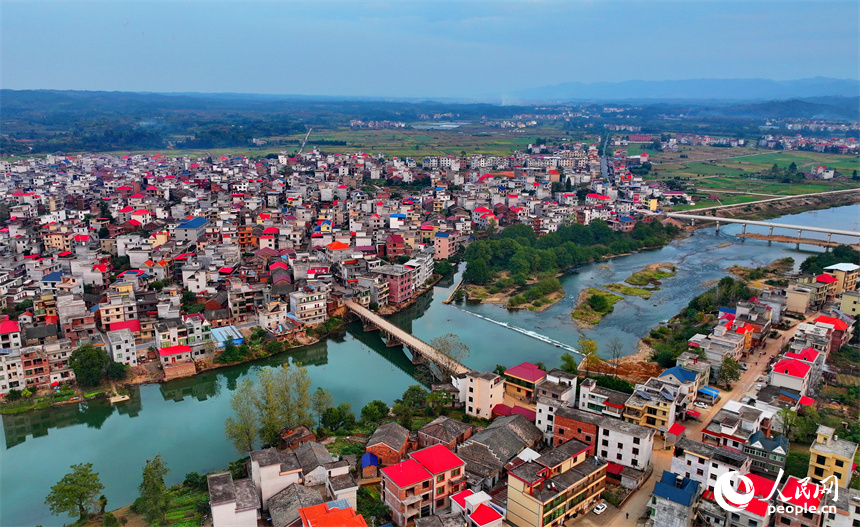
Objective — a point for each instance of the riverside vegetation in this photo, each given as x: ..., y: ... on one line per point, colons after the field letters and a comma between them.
x: 518, y: 263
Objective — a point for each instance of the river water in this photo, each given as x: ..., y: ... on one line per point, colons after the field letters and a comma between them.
x: 184, y: 419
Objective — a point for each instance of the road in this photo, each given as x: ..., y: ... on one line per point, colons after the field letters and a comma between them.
x: 637, y: 504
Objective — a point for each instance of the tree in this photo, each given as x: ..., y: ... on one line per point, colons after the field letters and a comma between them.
x: 598, y: 303
x: 242, y: 429
x: 730, y: 371
x: 588, y: 350
x: 414, y: 397
x: 102, y: 503
x: 283, y: 398
x: 89, y: 363
x: 274, y: 346
x: 568, y: 364
x: 403, y: 413
x: 787, y: 419
x: 116, y: 371
x: 453, y: 351
x: 321, y: 401
x: 500, y: 369
x: 154, y: 499
x: 374, y: 412
x: 104, y: 233
x: 75, y: 492
x: 477, y: 272
x: 109, y: 520
x: 436, y: 401
x: 615, y: 349
x: 338, y: 417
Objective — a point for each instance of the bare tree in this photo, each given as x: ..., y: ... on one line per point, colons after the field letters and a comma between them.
x: 615, y: 349
x: 453, y: 352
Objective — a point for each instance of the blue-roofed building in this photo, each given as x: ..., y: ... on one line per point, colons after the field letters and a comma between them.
x: 679, y: 374
x: 673, y: 500
x: 369, y: 465
x: 191, y: 230
x: 221, y: 336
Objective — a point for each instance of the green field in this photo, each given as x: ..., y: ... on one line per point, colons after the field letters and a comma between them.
x: 471, y: 139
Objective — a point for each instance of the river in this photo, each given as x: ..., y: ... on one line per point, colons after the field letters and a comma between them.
x: 184, y: 419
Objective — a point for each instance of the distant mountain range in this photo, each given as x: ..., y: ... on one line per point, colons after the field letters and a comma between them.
x: 693, y: 89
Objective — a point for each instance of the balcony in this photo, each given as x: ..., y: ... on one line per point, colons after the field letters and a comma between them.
x: 409, y: 500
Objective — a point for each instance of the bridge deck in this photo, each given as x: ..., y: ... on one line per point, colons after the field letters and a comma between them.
x: 762, y: 224
x: 412, y: 342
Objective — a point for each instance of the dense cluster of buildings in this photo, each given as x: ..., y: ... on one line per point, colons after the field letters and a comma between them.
x: 830, y: 145
x: 130, y: 246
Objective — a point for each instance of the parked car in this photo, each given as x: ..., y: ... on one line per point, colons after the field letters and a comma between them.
x: 699, y: 404
x: 600, y: 508
x: 744, y: 367
x: 757, y: 387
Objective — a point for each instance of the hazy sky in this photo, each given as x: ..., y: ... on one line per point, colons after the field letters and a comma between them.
x: 405, y: 48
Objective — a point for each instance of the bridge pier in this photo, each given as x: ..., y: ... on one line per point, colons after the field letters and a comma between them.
x: 369, y: 326
x: 829, y: 237
x: 799, y: 232
x: 718, y: 226
x: 390, y: 340
x: 744, y: 228
x: 769, y: 233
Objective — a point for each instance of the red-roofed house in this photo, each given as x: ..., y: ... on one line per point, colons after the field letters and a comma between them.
x: 842, y: 331
x: 324, y: 516
x: 395, y: 246
x: 419, y: 486
x: 520, y: 380
x: 407, y: 489
x: 802, y: 496
x: 791, y: 373
x: 10, y: 333
x: 173, y: 354
x: 831, y: 282
x: 486, y: 516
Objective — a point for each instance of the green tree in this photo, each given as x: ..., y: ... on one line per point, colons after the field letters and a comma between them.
x: 568, y: 364
x: 338, y: 417
x: 414, y: 397
x: 477, y: 272
x: 153, y: 492
x: 500, y: 369
x: 109, y: 520
x: 89, y: 363
x: 588, y: 349
x: 283, y: 398
x: 102, y: 503
x: 403, y: 413
x: 321, y: 400
x: 274, y: 346
x: 76, y: 492
x: 599, y: 303
x: 787, y: 419
x: 374, y: 412
x: 453, y: 352
x: 242, y: 428
x: 104, y: 233
x: 117, y: 371
x: 437, y: 401
x: 730, y: 371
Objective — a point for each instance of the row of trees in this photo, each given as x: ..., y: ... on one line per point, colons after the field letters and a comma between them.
x: 80, y: 492
x: 816, y: 263
x: 280, y: 397
x: 518, y: 249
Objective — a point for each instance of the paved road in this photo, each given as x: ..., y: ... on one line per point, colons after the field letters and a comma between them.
x: 636, y: 505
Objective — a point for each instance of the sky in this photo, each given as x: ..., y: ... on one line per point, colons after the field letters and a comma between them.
x: 416, y: 49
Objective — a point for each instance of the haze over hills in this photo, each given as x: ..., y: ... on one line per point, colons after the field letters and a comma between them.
x: 694, y: 89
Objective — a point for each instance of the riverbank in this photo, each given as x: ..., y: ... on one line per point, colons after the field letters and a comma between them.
x: 774, y: 209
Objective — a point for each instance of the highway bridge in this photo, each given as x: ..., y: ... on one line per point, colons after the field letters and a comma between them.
x: 797, y: 228
x: 394, y: 336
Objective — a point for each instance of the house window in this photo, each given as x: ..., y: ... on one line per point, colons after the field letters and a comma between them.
x: 605, y: 432
x: 700, y: 472
x: 455, y: 472
x: 839, y: 463
x: 785, y: 521
x: 440, y: 490
x: 619, y: 456
x: 635, y: 440
x: 635, y: 451
x: 604, y: 453
x: 604, y: 442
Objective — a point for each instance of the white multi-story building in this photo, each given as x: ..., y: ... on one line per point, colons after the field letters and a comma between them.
x: 479, y: 392
x: 706, y: 463
x: 309, y: 305
x: 121, y: 347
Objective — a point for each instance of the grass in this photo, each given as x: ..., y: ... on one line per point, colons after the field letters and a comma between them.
x: 631, y: 291
x: 641, y: 278
x: 584, y: 312
x: 797, y: 464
